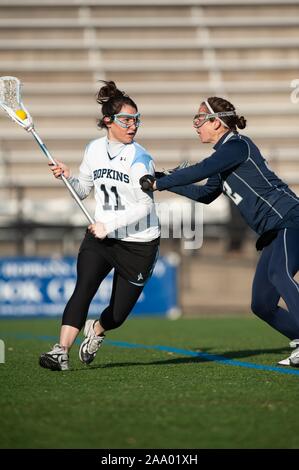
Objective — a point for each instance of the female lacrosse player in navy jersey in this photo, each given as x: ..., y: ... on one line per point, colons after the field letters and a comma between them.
x: 126, y: 233
x: 237, y: 169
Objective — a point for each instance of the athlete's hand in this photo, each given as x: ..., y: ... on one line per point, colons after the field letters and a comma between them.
x: 148, y: 183
x: 181, y: 166
x: 59, y: 169
x: 98, y: 230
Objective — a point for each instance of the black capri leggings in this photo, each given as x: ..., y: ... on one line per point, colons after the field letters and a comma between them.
x: 92, y: 268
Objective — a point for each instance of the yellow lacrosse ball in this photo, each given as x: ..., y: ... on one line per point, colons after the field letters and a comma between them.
x: 21, y: 114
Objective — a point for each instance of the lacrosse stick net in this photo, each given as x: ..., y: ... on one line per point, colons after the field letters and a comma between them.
x: 11, y: 103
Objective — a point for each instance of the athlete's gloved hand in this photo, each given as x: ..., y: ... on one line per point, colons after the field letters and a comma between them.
x: 160, y: 174
x: 98, y: 230
x: 265, y: 239
x: 147, y: 182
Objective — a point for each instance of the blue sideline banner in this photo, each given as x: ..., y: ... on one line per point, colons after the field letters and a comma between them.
x: 42, y: 286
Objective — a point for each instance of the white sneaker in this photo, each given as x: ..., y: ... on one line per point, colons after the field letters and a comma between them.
x: 91, y: 344
x: 294, y: 343
x: 293, y: 359
x: 56, y: 359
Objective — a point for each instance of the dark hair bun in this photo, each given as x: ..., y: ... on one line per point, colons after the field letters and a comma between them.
x: 221, y: 105
x: 241, y: 122
x: 108, y: 91
x: 112, y: 100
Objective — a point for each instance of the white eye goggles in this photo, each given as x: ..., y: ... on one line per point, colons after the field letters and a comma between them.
x: 126, y: 120
x: 201, y: 118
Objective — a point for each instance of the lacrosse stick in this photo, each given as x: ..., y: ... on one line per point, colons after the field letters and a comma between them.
x: 10, y: 101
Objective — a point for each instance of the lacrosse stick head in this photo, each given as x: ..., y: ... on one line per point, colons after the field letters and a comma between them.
x: 11, y: 103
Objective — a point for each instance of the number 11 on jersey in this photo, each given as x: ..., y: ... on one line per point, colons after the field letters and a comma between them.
x: 108, y: 198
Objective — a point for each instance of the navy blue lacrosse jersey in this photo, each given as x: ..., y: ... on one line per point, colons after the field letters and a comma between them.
x: 238, y: 170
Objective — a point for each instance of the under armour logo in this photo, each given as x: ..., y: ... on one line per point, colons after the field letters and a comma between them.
x: 140, y: 277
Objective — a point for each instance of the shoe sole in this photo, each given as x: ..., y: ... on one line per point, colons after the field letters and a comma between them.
x: 88, y: 328
x: 284, y: 362
x: 80, y: 352
x: 294, y: 365
x: 47, y: 363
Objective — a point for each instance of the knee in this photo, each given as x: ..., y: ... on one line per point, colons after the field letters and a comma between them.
x: 275, y: 275
x: 116, y: 324
x: 110, y: 323
x: 260, y: 308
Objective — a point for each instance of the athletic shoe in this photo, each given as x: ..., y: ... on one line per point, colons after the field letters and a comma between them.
x: 160, y: 174
x: 56, y: 359
x: 293, y: 359
x: 91, y: 344
x: 294, y: 343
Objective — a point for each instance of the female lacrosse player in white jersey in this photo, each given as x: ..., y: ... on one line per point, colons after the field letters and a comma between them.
x: 126, y: 233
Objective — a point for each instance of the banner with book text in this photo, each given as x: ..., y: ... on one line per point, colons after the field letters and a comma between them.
x: 42, y: 287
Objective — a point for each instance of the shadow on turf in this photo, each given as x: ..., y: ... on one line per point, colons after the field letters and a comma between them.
x: 188, y: 360
x: 178, y: 360
x: 252, y: 352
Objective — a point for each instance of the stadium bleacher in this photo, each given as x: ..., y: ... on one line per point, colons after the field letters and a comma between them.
x: 168, y: 55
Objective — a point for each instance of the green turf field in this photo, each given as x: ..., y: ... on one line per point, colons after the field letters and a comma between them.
x: 135, y: 396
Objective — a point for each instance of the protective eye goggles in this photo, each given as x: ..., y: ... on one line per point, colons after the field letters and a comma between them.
x: 201, y: 118
x: 126, y: 120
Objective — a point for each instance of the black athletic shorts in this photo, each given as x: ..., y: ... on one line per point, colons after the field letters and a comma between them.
x: 134, y: 261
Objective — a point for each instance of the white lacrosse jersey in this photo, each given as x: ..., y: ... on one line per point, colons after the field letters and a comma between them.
x: 114, y: 170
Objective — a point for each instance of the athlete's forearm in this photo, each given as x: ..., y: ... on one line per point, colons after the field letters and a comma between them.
x: 197, y: 193
x: 225, y: 158
x: 82, y: 188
